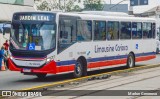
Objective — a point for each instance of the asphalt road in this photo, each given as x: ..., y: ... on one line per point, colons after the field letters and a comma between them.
x: 10, y: 80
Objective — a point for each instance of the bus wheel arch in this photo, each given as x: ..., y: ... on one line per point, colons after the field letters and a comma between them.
x: 131, y: 60
x: 80, y: 67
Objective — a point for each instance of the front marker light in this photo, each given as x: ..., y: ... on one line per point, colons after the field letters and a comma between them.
x: 49, y: 59
x: 11, y: 57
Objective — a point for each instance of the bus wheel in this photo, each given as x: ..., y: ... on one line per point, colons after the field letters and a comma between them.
x: 41, y: 76
x: 157, y: 50
x: 130, y: 61
x: 79, y: 69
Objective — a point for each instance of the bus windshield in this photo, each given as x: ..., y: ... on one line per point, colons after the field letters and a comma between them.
x: 38, y: 36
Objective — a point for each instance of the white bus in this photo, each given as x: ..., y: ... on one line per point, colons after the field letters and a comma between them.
x: 54, y: 42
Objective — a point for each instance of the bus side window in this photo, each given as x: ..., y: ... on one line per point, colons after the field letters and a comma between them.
x: 64, y: 34
x: 136, y: 30
x: 147, y: 30
x: 125, y: 30
x: 99, y: 30
x: 84, y: 30
x: 67, y: 32
x: 112, y: 30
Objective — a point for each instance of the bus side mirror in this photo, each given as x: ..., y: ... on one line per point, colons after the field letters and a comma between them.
x: 6, y: 28
x: 3, y: 31
x: 64, y: 34
x: 61, y: 33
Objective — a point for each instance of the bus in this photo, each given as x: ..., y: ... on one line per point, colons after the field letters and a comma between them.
x: 44, y: 43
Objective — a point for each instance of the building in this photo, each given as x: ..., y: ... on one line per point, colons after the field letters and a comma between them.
x: 141, y: 8
x: 7, y: 8
x: 138, y: 6
x: 153, y: 13
x: 116, y: 8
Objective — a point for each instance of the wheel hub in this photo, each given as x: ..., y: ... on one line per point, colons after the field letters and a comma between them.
x: 130, y: 61
x: 78, y: 70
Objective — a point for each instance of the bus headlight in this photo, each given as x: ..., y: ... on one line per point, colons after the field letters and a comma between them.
x: 49, y: 59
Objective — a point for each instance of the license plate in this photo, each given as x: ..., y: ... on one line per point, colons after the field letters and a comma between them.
x: 26, y: 70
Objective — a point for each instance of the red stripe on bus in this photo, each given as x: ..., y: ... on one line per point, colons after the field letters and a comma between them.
x: 107, y: 63
x: 65, y: 68
x: 143, y: 58
x: 48, y: 68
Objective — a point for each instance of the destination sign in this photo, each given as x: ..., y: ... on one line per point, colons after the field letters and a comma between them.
x: 34, y: 17
x: 37, y: 18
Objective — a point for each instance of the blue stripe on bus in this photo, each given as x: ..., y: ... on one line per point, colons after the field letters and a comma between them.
x: 145, y: 54
x: 69, y: 62
x: 106, y: 58
x: 62, y: 63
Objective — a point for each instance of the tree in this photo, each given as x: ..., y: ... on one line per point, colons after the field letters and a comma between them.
x: 77, y: 8
x: 43, y: 6
x: 69, y: 5
x: 92, y: 5
x: 57, y: 5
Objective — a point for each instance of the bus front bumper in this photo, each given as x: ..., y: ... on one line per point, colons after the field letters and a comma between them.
x: 47, y: 68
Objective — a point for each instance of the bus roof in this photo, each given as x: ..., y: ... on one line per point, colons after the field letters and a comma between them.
x: 109, y: 17
x: 105, y: 13
x: 88, y: 16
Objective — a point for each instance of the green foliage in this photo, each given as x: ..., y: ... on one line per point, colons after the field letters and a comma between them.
x: 44, y: 6
x: 93, y: 5
x: 53, y: 4
x: 69, y: 5
x: 77, y: 8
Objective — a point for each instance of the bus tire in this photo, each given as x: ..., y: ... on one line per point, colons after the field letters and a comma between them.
x: 80, y: 69
x: 130, y: 60
x: 41, y: 76
x: 157, y: 50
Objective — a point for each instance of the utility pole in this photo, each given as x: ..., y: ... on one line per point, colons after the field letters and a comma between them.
x: 64, y: 5
x: 59, y: 4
